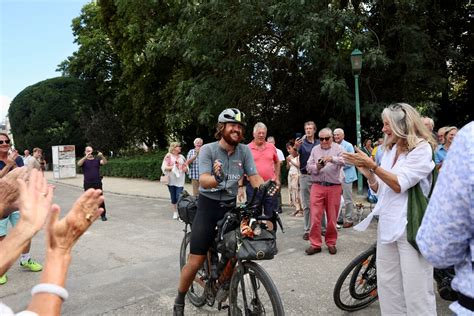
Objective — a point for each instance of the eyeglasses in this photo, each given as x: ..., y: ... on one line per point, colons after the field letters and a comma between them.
x: 324, y: 138
x: 6, y: 141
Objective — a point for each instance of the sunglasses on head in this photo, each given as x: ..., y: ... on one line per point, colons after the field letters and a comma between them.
x: 7, y: 141
x: 324, y: 138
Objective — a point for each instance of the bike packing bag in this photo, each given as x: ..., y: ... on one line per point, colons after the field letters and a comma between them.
x: 259, y: 247
x: 228, y: 245
x: 187, y: 207
x: 227, y: 230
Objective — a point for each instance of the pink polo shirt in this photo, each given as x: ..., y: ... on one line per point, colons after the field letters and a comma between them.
x: 265, y: 158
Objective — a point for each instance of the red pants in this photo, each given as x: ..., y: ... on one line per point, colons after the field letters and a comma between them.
x: 324, y: 198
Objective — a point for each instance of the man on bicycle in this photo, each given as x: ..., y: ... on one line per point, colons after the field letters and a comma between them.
x: 221, y: 165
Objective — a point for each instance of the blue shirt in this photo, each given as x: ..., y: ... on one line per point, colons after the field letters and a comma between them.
x: 350, y: 174
x: 446, y: 236
x: 18, y: 161
x: 305, y: 151
x: 194, y: 166
x: 440, y: 154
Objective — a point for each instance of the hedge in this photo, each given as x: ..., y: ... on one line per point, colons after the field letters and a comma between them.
x: 147, y: 166
x: 144, y: 166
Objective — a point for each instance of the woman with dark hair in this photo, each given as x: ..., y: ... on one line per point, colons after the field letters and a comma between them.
x: 367, y: 149
x: 404, y: 277
x: 293, y: 166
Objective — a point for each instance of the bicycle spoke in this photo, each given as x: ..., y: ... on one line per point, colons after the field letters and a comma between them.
x: 255, y: 293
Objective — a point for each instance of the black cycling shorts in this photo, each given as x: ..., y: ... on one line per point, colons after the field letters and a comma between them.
x: 203, y: 231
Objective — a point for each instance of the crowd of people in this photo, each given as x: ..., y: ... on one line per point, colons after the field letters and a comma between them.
x: 321, y: 172
x: 322, y: 169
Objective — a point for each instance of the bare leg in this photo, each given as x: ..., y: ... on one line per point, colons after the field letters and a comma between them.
x: 188, y: 273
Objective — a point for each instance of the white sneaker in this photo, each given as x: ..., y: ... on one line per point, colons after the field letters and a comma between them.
x: 175, y: 215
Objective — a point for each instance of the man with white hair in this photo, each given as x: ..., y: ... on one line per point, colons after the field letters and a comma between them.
x: 193, y: 165
x: 324, y: 165
x: 267, y: 163
x: 350, y: 176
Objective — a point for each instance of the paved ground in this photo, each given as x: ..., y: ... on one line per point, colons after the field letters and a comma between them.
x: 130, y: 264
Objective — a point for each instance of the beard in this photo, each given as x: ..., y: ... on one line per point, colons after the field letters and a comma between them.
x: 229, y: 140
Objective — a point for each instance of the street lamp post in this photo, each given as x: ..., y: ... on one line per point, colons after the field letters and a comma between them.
x: 356, y: 63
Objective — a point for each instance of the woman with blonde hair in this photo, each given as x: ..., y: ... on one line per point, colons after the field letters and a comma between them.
x: 404, y: 277
x: 174, y: 165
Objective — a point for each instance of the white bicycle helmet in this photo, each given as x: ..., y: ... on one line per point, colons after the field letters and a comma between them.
x: 232, y: 115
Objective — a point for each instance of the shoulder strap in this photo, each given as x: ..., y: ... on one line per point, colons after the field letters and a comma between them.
x: 434, y: 174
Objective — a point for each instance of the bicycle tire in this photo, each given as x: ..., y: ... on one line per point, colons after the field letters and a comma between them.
x: 250, y: 275
x: 347, y: 291
x: 196, y: 293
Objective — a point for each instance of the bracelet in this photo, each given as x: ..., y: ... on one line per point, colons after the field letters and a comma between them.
x: 373, y: 170
x: 51, y: 289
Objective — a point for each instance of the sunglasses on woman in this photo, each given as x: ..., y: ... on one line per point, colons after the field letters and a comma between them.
x: 7, y: 141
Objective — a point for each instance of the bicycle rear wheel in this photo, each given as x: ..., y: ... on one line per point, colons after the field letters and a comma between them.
x: 356, y: 287
x: 196, y: 293
x: 252, y: 292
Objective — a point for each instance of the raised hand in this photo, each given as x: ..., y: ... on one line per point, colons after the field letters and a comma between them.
x: 35, y: 201
x: 18, y: 173
x: 63, y: 234
x: 359, y: 159
x: 9, y: 195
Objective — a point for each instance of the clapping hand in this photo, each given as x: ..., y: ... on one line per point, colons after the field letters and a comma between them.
x: 35, y: 201
x: 360, y: 160
x: 63, y: 234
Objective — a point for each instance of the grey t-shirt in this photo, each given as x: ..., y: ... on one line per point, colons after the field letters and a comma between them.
x: 240, y: 162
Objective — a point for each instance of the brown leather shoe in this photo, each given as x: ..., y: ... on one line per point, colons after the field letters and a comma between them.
x: 306, y: 236
x: 311, y: 250
x: 348, y: 224
x: 332, y: 250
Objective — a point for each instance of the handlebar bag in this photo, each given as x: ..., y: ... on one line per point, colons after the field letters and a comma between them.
x: 261, y: 247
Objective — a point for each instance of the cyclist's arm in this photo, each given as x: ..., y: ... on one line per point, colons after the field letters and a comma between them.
x: 255, y: 180
x: 207, y: 181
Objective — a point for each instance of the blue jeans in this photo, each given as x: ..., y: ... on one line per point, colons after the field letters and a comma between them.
x: 270, y: 203
x: 175, y: 192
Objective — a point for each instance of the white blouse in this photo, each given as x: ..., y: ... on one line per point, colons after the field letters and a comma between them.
x: 177, y: 174
x: 293, y: 169
x: 410, y: 168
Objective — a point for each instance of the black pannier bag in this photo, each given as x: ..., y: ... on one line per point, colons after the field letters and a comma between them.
x: 260, y: 247
x: 187, y: 207
x: 227, y: 232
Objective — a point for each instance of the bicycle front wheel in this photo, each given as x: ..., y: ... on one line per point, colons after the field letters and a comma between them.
x: 252, y: 292
x: 196, y: 293
x: 356, y: 287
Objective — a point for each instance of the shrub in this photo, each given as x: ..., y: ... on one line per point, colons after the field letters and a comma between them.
x: 144, y: 166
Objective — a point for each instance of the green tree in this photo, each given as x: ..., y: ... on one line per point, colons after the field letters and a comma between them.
x: 97, y: 63
x: 46, y: 114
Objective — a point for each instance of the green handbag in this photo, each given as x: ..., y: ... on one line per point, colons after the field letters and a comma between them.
x: 417, y: 203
